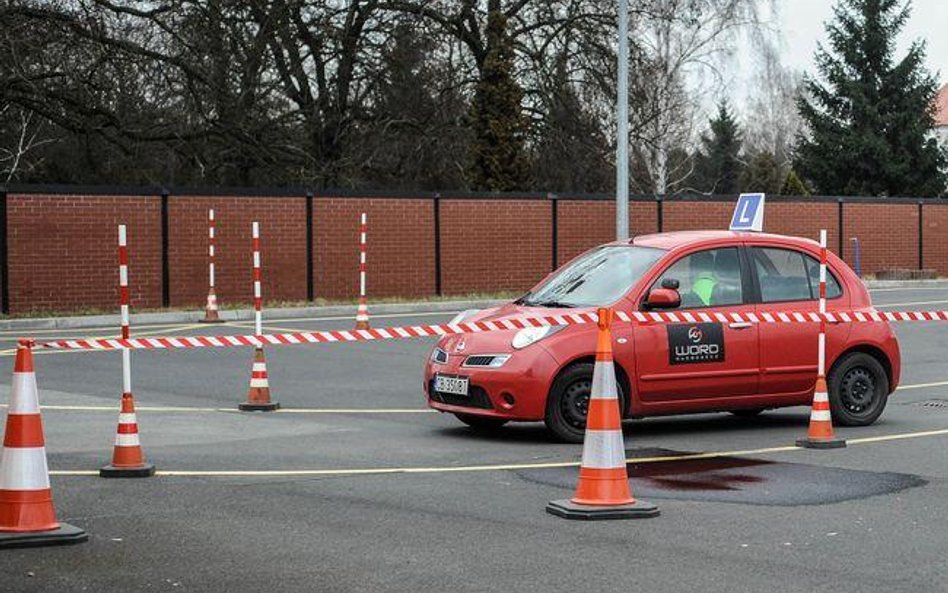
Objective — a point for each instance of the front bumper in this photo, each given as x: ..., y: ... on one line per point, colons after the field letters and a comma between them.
x: 515, y: 391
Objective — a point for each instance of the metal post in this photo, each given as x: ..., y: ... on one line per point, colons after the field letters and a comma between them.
x: 622, y: 118
x: 123, y: 305
x: 257, y: 289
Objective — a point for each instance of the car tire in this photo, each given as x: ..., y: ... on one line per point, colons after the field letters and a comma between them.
x: 858, y: 389
x: 568, y: 402
x: 747, y: 413
x: 481, y: 423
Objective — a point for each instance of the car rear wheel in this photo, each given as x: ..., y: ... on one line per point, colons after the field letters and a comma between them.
x: 568, y: 402
x: 858, y: 389
x: 481, y: 423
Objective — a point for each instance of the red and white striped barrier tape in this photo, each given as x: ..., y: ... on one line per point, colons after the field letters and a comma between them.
x: 516, y: 323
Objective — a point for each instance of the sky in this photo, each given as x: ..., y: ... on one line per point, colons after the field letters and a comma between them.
x: 799, y: 27
x: 801, y: 23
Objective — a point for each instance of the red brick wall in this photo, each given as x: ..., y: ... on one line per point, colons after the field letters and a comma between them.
x: 583, y: 224
x: 62, y: 248
x: 804, y: 220
x: 935, y: 235
x: 399, y: 247
x: 282, y: 248
x: 888, y: 235
x: 63, y: 251
x: 489, y: 245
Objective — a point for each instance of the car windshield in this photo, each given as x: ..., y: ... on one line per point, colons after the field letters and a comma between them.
x: 596, y: 279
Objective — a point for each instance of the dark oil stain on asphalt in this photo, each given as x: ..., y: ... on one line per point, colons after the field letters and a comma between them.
x: 740, y: 480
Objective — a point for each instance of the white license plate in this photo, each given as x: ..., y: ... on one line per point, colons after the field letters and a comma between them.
x: 453, y: 385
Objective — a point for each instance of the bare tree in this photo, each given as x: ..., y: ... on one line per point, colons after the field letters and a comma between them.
x: 678, y: 43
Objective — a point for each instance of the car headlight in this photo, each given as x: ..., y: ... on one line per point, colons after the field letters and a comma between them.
x: 530, y: 335
x: 466, y: 314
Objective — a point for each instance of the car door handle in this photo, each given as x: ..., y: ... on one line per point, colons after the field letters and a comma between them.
x: 740, y: 325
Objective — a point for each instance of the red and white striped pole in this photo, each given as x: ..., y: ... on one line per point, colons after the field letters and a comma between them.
x: 127, y: 458
x: 210, y: 311
x: 362, y: 314
x: 820, y: 434
x: 258, y: 397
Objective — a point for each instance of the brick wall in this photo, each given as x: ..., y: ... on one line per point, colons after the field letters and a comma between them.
x: 63, y: 251
x: 282, y: 246
x: 489, y: 245
x: 399, y: 253
x: 62, y: 247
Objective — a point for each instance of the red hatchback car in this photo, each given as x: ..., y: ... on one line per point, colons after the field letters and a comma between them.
x: 488, y: 379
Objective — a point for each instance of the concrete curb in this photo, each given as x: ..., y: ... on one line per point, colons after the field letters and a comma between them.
x: 89, y: 321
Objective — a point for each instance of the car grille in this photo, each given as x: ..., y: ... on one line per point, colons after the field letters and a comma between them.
x: 477, y: 397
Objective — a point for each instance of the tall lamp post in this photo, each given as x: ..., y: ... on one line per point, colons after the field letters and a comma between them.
x: 622, y: 117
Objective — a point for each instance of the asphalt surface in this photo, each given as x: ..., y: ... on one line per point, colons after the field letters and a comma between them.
x: 760, y: 516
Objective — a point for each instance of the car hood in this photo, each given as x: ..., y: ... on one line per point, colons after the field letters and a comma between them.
x: 498, y: 341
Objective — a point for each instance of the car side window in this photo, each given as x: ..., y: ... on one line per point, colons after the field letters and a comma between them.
x: 789, y: 275
x: 833, y: 288
x: 710, y: 278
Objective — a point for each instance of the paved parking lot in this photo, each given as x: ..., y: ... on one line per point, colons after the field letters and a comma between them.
x: 356, y: 486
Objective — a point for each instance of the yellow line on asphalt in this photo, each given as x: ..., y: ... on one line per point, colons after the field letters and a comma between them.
x: 186, y: 409
x: 498, y: 467
x: 14, y: 334
x: 923, y: 385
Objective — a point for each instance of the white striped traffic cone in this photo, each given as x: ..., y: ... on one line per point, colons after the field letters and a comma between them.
x: 362, y: 315
x: 27, y: 515
x: 820, y: 434
x: 128, y: 461
x: 603, y: 490
x: 258, y: 396
x: 210, y: 310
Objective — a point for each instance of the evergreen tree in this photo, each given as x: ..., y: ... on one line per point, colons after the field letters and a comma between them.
x: 870, y: 125
x: 498, y: 162
x: 793, y: 185
x: 718, y: 168
x: 762, y: 174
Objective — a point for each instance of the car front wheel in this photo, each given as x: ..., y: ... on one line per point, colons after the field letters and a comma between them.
x: 568, y: 402
x: 858, y: 389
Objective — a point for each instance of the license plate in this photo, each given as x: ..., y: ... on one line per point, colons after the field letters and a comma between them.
x: 452, y: 385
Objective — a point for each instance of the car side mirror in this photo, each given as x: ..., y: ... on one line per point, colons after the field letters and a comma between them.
x: 663, y: 298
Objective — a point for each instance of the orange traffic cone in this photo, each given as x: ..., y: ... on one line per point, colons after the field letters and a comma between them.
x: 210, y: 310
x: 27, y: 516
x: 128, y: 461
x: 362, y: 315
x: 258, y: 397
x: 820, y: 435
x: 603, y: 490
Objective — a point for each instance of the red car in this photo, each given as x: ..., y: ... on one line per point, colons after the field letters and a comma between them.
x: 488, y: 379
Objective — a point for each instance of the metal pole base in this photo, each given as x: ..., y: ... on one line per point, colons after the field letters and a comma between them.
x: 146, y: 470
x: 252, y: 407
x: 66, y: 534
x: 833, y: 443
x: 568, y: 509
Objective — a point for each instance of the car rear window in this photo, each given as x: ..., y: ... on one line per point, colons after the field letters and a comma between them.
x: 789, y: 275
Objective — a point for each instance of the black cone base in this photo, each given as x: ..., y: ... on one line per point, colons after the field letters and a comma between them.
x: 66, y: 534
x: 568, y: 509
x: 211, y: 321
x: 146, y: 470
x: 833, y: 443
x: 251, y: 407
